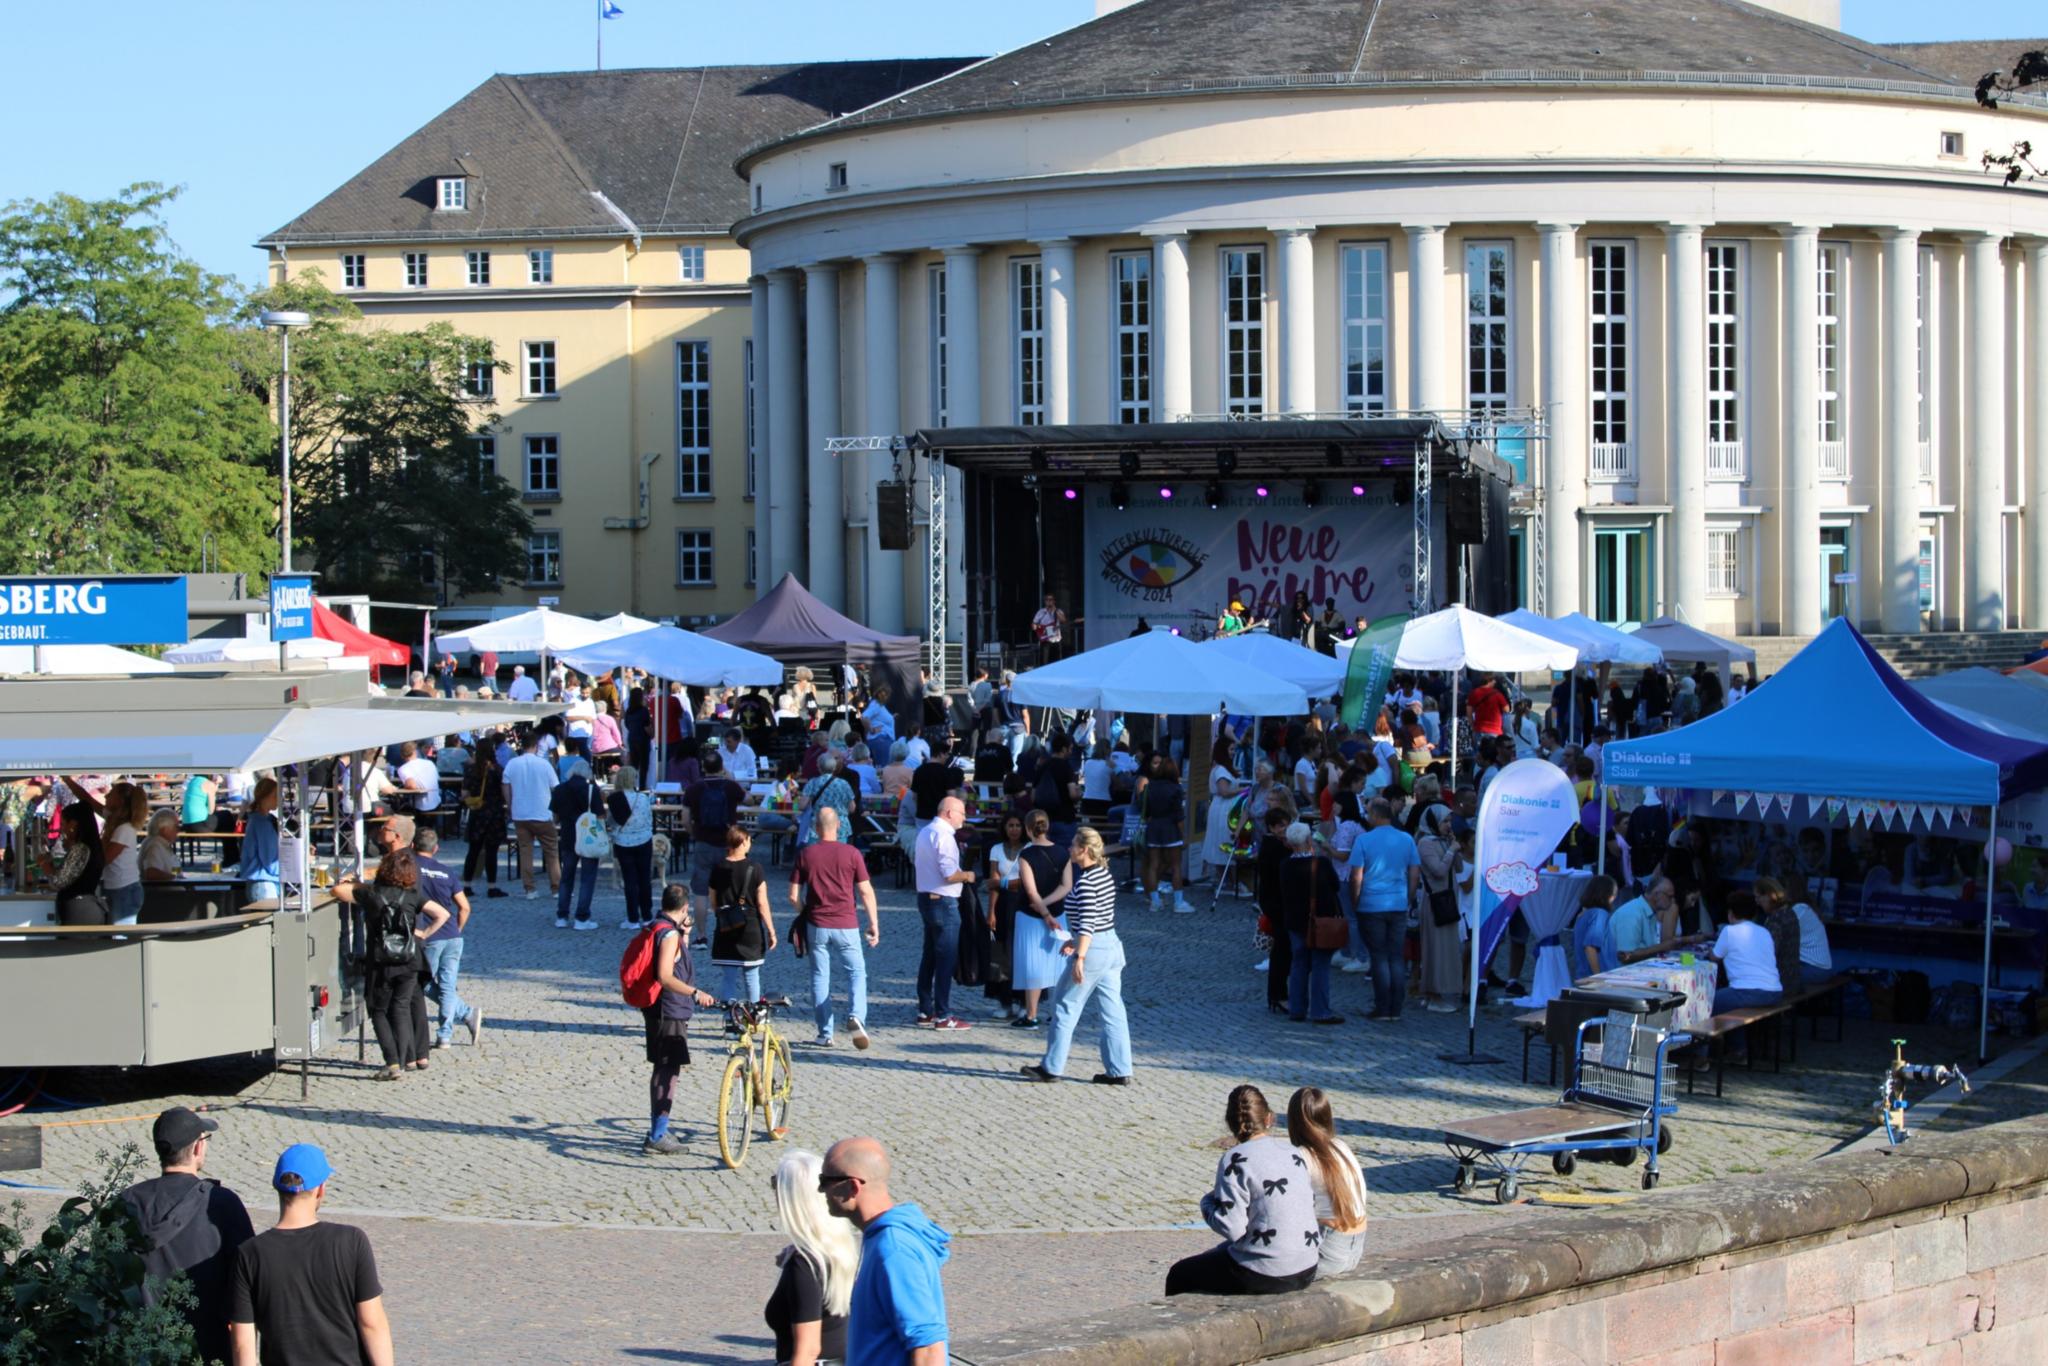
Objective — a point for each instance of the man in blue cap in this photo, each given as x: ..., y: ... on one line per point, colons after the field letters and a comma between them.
x: 306, y: 1293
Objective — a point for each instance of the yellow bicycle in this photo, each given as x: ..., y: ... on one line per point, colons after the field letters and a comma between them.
x: 758, y: 1072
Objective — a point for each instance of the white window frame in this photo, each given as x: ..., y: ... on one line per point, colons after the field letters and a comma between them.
x: 1724, y: 560
x: 540, y: 373
x: 1241, y: 279
x: 451, y: 194
x: 484, y: 459
x: 1927, y: 551
x: 1490, y: 377
x: 1027, y: 325
x: 1831, y: 422
x: 696, y: 562
x: 544, y: 551
x: 935, y: 304
x: 540, y: 265
x: 1927, y: 357
x: 690, y: 263
x: 1727, y: 353
x: 355, y: 269
x: 753, y: 436
x: 477, y: 268
x: 1610, y: 359
x: 1130, y: 323
x: 1363, y: 309
x: 693, y: 419
x: 753, y: 558
x: 479, y: 378
x: 835, y: 177
x: 415, y: 270
x: 540, y: 465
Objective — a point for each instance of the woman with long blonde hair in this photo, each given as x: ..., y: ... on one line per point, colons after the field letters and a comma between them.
x: 1335, y: 1178
x: 807, y: 1312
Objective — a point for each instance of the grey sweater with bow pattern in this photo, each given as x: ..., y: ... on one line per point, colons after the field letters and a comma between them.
x: 1264, y: 1207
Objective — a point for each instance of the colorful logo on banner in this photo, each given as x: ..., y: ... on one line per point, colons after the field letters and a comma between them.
x: 1177, y: 561
x: 291, y: 606
x: 82, y: 611
x: 1371, y: 668
x: 1527, y: 811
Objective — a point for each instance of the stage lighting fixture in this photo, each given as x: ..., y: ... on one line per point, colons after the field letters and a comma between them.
x: 1212, y: 493
x: 1226, y: 462
x: 1127, y: 463
x: 1038, y: 461
x: 1119, y: 494
x: 1358, y: 490
x: 1262, y: 491
x: 1166, y: 492
x: 1070, y: 493
x: 1311, y: 493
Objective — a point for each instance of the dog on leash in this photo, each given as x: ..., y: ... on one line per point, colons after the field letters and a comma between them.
x: 661, y: 853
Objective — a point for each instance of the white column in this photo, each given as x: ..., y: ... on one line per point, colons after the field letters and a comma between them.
x: 1426, y: 392
x: 826, y: 519
x: 783, y: 481
x: 883, y: 604
x: 1799, y: 503
x: 963, y: 409
x: 1057, y: 256
x: 764, y: 521
x: 2034, y: 518
x: 1984, y: 456
x: 1898, y: 593
x: 1297, y: 294
x: 1564, y: 404
x: 1173, y: 380
x: 1685, y: 379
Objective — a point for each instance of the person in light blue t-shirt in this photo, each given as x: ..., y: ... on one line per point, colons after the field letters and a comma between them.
x: 1592, y: 952
x: 1385, y: 869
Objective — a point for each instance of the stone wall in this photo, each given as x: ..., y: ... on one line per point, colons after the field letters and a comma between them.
x: 1938, y: 1254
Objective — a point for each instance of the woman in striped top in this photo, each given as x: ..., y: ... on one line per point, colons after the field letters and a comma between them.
x: 1096, y: 970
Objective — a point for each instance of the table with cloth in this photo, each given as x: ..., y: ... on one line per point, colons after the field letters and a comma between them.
x: 1668, y: 972
x: 1548, y: 911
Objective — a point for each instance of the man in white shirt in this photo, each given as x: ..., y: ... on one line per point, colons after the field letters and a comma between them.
x: 741, y: 763
x: 939, y: 879
x: 523, y: 689
x: 916, y: 749
x: 529, y: 784
x: 419, y: 777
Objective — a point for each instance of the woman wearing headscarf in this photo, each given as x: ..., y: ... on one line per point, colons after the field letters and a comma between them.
x: 1443, y: 965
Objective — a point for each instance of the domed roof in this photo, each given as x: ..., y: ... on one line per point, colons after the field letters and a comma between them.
x: 1166, y: 47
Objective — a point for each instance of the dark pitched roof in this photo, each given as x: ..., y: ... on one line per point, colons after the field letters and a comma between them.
x: 1964, y: 62
x: 1163, y: 47
x: 657, y: 144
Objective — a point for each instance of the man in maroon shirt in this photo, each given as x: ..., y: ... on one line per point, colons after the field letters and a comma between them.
x: 835, y: 874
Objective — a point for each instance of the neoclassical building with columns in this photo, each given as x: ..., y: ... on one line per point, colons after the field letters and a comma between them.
x: 1771, y: 338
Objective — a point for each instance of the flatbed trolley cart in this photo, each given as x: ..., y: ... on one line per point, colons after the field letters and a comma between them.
x: 1620, y: 1095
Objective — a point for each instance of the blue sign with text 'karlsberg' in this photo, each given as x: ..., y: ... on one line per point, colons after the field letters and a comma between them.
x: 291, y: 607
x: 139, y: 610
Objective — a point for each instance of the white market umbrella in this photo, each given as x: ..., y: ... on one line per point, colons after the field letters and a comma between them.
x: 541, y: 631
x: 1318, y: 675
x: 682, y: 656
x: 251, y: 650
x: 1460, y: 638
x: 625, y: 623
x: 1596, y: 642
x: 78, y: 659
x: 1158, y: 674
x: 1688, y: 643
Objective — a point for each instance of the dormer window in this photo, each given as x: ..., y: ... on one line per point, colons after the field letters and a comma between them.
x: 452, y: 192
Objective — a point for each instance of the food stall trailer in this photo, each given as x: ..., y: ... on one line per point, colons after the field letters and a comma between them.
x: 234, y: 977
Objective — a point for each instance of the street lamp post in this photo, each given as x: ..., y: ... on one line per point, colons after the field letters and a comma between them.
x: 284, y: 321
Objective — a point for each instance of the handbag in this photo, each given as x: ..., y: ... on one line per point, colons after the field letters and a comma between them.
x: 1443, y: 906
x: 1326, y: 933
x: 592, y: 839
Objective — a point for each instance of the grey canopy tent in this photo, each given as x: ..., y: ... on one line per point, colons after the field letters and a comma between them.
x: 789, y: 624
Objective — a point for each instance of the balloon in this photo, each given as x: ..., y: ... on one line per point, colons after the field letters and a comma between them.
x: 2001, y: 852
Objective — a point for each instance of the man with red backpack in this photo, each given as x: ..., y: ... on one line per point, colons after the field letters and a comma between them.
x: 658, y: 975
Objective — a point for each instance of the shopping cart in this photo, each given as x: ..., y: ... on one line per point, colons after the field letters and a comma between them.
x: 1616, y: 1107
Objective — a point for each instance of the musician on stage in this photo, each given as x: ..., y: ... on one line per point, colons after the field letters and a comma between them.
x: 1049, y: 628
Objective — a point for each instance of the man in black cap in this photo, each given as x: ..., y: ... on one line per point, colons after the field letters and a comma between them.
x: 194, y: 1225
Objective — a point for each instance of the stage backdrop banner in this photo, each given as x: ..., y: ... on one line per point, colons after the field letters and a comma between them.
x: 1178, y: 562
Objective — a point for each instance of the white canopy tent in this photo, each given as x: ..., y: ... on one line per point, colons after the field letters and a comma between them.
x: 1689, y: 644
x: 82, y: 659
x: 2011, y: 704
x: 1158, y: 674
x: 681, y: 656
x: 1596, y: 642
x: 251, y: 650
x: 1318, y: 675
x: 625, y: 623
x: 542, y: 631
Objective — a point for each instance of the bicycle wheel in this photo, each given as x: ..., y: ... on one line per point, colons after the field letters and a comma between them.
x: 779, y: 1079
x: 736, y: 1109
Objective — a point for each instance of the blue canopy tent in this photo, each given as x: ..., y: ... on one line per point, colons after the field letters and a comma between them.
x: 1838, y: 723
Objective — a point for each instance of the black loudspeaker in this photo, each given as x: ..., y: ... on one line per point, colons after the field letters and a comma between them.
x: 1464, y: 510
x: 892, y: 514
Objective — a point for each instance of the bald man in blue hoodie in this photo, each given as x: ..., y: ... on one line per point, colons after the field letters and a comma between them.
x: 898, y: 1315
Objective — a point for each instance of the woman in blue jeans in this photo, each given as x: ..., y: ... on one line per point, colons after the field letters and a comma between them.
x: 1308, y: 891
x: 1096, y: 967
x: 629, y: 819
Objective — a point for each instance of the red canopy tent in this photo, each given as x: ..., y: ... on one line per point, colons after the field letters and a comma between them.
x: 330, y: 625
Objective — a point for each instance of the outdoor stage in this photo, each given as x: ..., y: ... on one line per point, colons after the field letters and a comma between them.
x: 1168, y: 522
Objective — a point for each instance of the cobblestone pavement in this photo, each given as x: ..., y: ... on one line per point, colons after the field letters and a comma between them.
x: 543, y: 1121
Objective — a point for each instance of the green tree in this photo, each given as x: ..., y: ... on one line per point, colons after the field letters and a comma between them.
x: 72, y: 1296
x: 130, y: 430
x: 389, y: 494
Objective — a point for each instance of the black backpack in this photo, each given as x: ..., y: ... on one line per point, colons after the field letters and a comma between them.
x: 389, y: 918
x: 714, y: 811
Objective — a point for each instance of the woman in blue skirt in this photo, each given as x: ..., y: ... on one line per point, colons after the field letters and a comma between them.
x: 1035, y: 959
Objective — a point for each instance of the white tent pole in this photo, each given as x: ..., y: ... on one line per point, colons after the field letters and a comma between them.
x: 1990, y: 890
x: 1453, y: 731
x: 1601, y: 797
x: 1474, y: 928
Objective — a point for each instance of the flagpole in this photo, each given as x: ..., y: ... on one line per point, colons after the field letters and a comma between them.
x: 600, y: 35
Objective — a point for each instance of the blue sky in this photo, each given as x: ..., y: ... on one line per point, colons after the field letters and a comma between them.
x: 259, y: 109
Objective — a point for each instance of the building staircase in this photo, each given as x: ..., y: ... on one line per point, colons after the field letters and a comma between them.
x: 1915, y: 656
